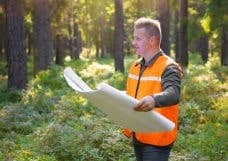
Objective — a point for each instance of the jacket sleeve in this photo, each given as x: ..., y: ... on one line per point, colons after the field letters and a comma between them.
x: 171, y: 83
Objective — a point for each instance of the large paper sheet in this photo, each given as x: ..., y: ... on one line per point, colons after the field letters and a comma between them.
x: 119, y: 106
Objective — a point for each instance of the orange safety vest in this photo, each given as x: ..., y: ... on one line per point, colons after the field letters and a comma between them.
x: 150, y: 83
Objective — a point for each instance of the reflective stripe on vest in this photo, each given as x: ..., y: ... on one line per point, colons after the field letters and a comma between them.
x: 150, y: 83
x: 149, y: 78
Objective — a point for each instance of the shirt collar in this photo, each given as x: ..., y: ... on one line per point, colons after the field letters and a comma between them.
x: 151, y: 61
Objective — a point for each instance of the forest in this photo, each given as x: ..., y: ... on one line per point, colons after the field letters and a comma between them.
x: 43, y: 119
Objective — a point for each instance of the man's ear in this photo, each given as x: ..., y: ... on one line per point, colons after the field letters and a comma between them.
x: 154, y: 40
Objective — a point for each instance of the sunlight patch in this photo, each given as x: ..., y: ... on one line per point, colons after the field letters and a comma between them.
x: 96, y: 69
x: 67, y: 58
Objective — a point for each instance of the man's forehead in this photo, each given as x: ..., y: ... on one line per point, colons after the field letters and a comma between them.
x: 140, y: 31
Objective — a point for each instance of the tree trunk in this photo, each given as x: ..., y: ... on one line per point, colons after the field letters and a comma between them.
x: 103, y: 47
x: 176, y: 23
x: 119, y: 36
x: 97, y: 45
x: 163, y: 9
x: 224, y: 51
x: 2, y: 36
x: 17, y: 69
x: 70, y: 39
x: 77, y: 43
x: 200, y: 45
x: 203, y: 47
x: 103, y: 42
x: 109, y: 43
x: 59, y: 50
x: 183, y: 32
x: 42, y: 35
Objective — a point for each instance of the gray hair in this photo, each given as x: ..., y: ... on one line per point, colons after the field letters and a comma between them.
x: 152, y: 27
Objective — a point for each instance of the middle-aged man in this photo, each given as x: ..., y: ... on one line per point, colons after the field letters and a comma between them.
x: 154, y: 80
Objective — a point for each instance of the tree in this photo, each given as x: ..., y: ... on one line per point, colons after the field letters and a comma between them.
x: 77, y: 42
x: 164, y: 16
x: 17, y: 69
x: 119, y: 36
x: 176, y: 35
x: 183, y: 30
x: 198, y: 38
x: 203, y: 47
x: 59, y: 41
x: 74, y: 38
x: 224, y: 50
x: 42, y: 35
x: 216, y: 22
x: 2, y: 32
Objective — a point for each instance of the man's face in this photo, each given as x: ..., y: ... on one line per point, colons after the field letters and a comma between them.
x: 141, y: 42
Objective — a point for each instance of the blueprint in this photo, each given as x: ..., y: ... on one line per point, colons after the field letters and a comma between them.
x: 118, y: 106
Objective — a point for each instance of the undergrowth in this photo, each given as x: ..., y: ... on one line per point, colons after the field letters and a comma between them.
x: 50, y: 122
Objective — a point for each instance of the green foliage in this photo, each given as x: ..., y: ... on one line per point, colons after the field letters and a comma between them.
x: 202, y: 88
x: 94, y: 73
x: 217, y: 10
x: 198, y: 23
x: 211, y: 139
x: 203, y: 112
x: 26, y: 155
x: 118, y: 80
x: 49, y: 121
x: 9, y: 95
x: 3, y: 69
x: 205, y: 23
x: 97, y: 141
x: 6, y: 95
x: 19, y: 119
x: 45, y: 90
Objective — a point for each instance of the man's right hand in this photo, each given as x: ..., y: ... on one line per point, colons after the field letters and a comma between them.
x: 147, y: 103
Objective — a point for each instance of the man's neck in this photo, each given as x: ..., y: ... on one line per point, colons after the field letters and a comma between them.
x: 151, y: 54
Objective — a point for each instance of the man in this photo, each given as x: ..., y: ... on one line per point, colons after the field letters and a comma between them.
x: 155, y: 80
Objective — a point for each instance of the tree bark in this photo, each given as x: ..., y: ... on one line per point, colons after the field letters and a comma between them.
x: 104, y: 42
x: 203, y: 47
x: 71, y: 36
x: 183, y: 33
x: 119, y: 36
x: 77, y: 43
x: 2, y: 35
x: 17, y: 69
x: 42, y: 36
x: 164, y: 16
x: 176, y: 23
x: 59, y: 50
x: 224, y: 51
x: 200, y: 46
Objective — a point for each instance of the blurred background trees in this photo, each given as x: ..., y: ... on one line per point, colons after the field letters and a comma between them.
x: 51, y: 30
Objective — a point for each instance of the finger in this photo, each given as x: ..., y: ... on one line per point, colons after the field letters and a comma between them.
x: 146, y: 107
x: 138, y: 106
